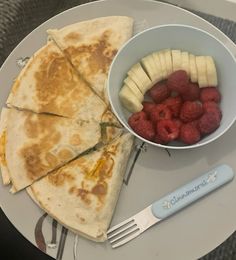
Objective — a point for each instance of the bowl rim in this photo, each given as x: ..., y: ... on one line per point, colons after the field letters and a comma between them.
x: 130, y: 129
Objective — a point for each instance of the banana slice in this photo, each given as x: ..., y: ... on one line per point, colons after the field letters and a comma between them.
x: 192, y: 68
x: 129, y: 100
x: 185, y: 61
x: 133, y: 87
x: 157, y: 63
x: 201, y: 71
x: 143, y: 81
x: 176, y: 59
x: 211, y: 71
x: 149, y: 67
x: 169, y: 66
x: 161, y: 55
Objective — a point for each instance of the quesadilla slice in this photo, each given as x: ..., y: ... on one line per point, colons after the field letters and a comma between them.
x: 91, y: 46
x: 82, y: 194
x: 39, y: 143
x: 49, y: 84
x: 3, y: 164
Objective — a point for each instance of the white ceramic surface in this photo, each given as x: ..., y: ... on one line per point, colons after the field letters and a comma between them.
x: 190, y: 234
x: 179, y: 37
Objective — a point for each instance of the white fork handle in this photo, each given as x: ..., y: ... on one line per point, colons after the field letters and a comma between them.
x: 192, y: 191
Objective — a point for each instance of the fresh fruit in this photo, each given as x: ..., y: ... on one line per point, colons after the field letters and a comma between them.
x: 178, y: 81
x: 176, y: 60
x: 143, y: 127
x: 157, y: 63
x: 148, y: 107
x: 137, y: 94
x: 192, y: 93
x: 174, y: 104
x: 211, y: 71
x: 193, y: 68
x: 149, y: 67
x: 159, y: 92
x: 178, y: 122
x: 167, y: 130
x: 201, y: 71
x: 190, y: 111
x: 208, y: 123
x: 185, y: 61
x: 169, y: 66
x: 136, y: 117
x: 140, y: 77
x: 161, y: 55
x: 210, y: 94
x: 160, y: 112
x: 131, y: 84
x: 129, y: 100
x: 212, y: 107
x: 189, y: 134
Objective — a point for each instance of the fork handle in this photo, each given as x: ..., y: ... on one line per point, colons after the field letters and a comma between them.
x: 192, y: 191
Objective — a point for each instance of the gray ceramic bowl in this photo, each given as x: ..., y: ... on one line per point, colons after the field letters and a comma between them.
x: 176, y: 36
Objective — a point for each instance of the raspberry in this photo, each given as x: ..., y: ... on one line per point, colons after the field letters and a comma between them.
x: 178, y: 81
x: 189, y: 134
x: 159, y: 92
x: 167, y: 130
x: 160, y: 112
x: 178, y: 122
x: 208, y: 123
x: 192, y: 93
x: 158, y: 140
x: 136, y: 117
x: 195, y: 123
x: 174, y: 104
x: 148, y: 106
x: 212, y: 107
x: 190, y: 110
x: 145, y: 129
x: 210, y: 94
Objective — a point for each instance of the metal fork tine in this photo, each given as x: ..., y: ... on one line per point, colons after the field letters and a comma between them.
x: 124, y: 234
x: 120, y: 225
x: 121, y: 229
x: 124, y: 241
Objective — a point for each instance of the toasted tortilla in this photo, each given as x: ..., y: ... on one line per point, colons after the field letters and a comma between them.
x: 91, y: 46
x: 82, y: 194
x: 49, y: 84
x: 3, y: 164
x: 39, y: 143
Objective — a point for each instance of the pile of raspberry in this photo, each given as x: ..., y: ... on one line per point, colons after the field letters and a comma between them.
x: 179, y: 110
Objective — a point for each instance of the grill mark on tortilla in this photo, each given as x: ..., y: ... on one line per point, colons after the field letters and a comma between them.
x: 73, y: 36
x: 97, y: 56
x: 2, y: 148
x: 55, y: 79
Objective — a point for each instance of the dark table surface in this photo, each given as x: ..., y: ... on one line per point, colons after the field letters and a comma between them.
x: 17, y: 19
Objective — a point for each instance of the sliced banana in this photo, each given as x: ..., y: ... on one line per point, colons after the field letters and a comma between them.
x: 133, y: 87
x: 144, y: 81
x: 211, y: 71
x: 168, y: 58
x: 185, y: 61
x: 161, y: 55
x: 193, y: 68
x: 149, y: 67
x: 176, y: 59
x: 129, y: 100
x: 201, y: 71
x: 158, y: 65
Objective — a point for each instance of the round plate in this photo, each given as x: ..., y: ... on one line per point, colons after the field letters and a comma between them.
x: 155, y: 172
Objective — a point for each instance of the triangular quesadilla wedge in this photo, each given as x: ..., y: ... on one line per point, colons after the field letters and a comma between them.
x: 82, y: 194
x: 3, y: 164
x: 38, y: 143
x: 91, y: 46
x: 49, y: 84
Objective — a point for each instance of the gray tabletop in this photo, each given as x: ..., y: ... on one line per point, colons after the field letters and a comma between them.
x: 17, y: 19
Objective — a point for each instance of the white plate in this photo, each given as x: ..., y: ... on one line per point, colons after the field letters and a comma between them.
x: 188, y: 235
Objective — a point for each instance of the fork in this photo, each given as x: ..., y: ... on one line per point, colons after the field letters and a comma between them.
x: 169, y: 205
